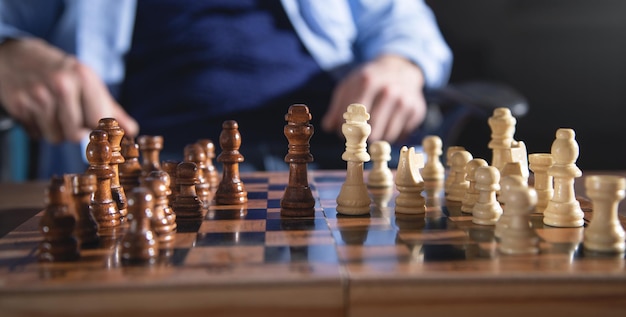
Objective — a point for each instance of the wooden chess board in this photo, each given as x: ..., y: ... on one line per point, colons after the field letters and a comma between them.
x: 249, y: 260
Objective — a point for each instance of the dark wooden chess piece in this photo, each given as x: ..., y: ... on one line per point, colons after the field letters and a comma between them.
x: 130, y: 170
x: 209, y: 149
x: 195, y: 153
x: 103, y: 207
x: 164, y: 219
x: 231, y: 190
x: 170, y: 166
x: 57, y: 225
x: 115, y: 133
x: 298, y: 200
x: 187, y: 204
x: 83, y: 186
x: 139, y: 244
x: 150, y: 147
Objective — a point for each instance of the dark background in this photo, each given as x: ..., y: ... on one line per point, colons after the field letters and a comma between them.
x: 567, y: 57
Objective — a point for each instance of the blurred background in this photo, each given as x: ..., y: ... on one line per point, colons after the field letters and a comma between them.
x: 567, y: 57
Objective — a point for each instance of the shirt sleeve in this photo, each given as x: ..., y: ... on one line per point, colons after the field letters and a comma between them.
x: 28, y: 18
x: 404, y: 27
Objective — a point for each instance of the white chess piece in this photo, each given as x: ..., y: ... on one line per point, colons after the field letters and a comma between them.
x: 433, y: 169
x: 539, y: 164
x: 353, y: 198
x: 502, y: 125
x: 520, y: 237
x: 605, y: 233
x: 409, y: 183
x: 471, y: 194
x: 458, y: 184
x: 506, y: 184
x: 380, y: 175
x: 563, y: 210
x: 487, y: 210
x: 449, y: 152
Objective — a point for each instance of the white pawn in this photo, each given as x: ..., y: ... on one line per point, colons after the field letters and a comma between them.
x: 433, y: 169
x: 409, y: 183
x: 519, y: 238
x: 605, y: 233
x: 353, y: 198
x: 449, y: 152
x: 380, y: 175
x: 539, y: 164
x: 511, y: 169
x: 458, y: 185
x: 563, y: 209
x: 487, y: 210
x: 471, y: 194
x: 506, y: 184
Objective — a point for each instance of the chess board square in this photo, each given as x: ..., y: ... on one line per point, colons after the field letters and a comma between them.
x: 255, y: 180
x: 277, y: 187
x: 234, y: 225
x: 230, y: 239
x: 261, y: 195
x: 296, y: 224
x: 304, y: 253
x: 273, y: 203
x: 298, y: 237
x: 247, y: 214
x: 224, y: 255
x: 370, y: 254
x: 365, y: 237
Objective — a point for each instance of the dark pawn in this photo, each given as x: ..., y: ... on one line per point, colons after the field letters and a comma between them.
x: 209, y: 149
x: 230, y: 190
x: 195, y: 153
x: 115, y: 134
x: 187, y: 204
x: 150, y: 147
x: 103, y: 207
x: 57, y: 225
x: 170, y: 167
x: 130, y: 170
x: 139, y: 244
x: 83, y: 186
x: 164, y: 219
x: 298, y: 200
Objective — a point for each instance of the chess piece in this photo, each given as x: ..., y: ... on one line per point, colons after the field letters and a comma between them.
x: 487, y: 210
x: 471, y: 194
x: 539, y: 164
x: 380, y: 175
x: 187, y: 204
x: 459, y: 185
x: 353, y: 198
x: 563, y: 210
x: 170, y: 166
x: 150, y: 147
x: 519, y: 237
x: 449, y: 152
x: 164, y: 219
x: 83, y: 186
x: 231, y: 190
x: 409, y: 183
x: 605, y: 233
x: 195, y: 153
x: 433, y: 169
x: 502, y: 125
x: 57, y: 225
x: 130, y: 170
x: 209, y: 149
x: 506, y: 184
x: 511, y: 169
x: 297, y: 200
x: 115, y: 134
x: 103, y: 208
x: 139, y: 245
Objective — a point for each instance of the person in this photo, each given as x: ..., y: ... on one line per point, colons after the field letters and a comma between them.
x: 179, y: 68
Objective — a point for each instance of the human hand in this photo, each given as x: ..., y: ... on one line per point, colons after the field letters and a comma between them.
x: 52, y: 94
x: 390, y: 87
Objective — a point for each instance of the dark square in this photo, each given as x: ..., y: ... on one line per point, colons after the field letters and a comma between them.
x: 230, y: 239
x: 365, y: 236
x: 255, y: 180
x: 310, y: 254
x: 257, y: 195
x: 285, y: 224
x: 273, y: 203
x: 277, y: 187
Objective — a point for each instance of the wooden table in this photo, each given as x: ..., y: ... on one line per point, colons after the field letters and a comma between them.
x: 249, y: 260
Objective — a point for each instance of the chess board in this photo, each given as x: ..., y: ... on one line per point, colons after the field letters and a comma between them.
x: 248, y: 260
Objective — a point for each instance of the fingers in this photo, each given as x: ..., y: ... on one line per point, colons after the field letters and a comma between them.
x: 66, y: 88
x: 97, y: 103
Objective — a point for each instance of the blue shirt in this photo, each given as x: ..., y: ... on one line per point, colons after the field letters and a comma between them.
x: 336, y: 33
